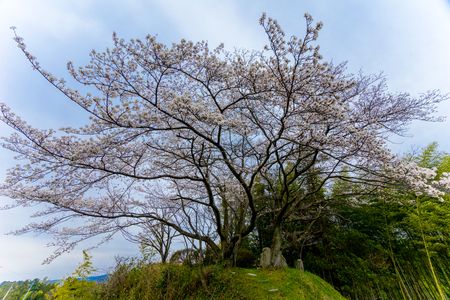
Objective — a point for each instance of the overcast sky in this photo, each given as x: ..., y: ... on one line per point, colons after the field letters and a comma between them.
x: 409, y: 41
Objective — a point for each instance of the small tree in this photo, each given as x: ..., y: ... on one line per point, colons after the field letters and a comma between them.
x: 155, y: 237
x: 195, y: 128
x: 76, y: 286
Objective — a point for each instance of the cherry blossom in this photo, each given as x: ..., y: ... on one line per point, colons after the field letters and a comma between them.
x: 190, y: 130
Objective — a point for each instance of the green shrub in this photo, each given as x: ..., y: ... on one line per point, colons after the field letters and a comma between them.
x: 245, y: 258
x: 77, y: 287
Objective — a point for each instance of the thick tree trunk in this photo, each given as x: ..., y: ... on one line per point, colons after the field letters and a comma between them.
x: 230, y: 251
x: 277, y: 259
x: 228, y: 256
x: 236, y: 247
x: 164, y: 257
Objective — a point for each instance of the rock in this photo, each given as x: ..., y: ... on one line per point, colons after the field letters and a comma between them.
x: 251, y: 274
x: 280, y: 262
x: 283, y: 262
x: 299, y: 264
x: 273, y: 290
x: 265, y: 259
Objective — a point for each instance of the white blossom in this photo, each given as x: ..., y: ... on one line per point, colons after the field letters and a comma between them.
x: 192, y: 129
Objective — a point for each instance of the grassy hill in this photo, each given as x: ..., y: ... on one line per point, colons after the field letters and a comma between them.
x: 213, y: 282
x: 155, y: 281
x: 280, y: 284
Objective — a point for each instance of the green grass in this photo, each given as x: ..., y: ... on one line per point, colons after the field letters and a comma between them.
x: 280, y: 284
x: 170, y: 281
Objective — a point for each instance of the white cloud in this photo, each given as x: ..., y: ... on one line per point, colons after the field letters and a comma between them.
x: 214, y: 21
x: 50, y: 29
x: 40, y: 22
x: 21, y: 258
x: 56, y: 19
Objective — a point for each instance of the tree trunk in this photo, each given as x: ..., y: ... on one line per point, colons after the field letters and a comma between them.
x: 229, y: 251
x: 164, y: 257
x: 236, y: 247
x: 277, y: 258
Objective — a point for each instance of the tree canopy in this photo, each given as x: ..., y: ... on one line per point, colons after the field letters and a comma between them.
x: 192, y: 131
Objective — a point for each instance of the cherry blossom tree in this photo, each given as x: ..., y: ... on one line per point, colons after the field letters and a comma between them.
x: 194, y: 129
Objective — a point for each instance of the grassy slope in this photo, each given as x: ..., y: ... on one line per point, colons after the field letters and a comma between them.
x: 170, y: 282
x: 280, y: 284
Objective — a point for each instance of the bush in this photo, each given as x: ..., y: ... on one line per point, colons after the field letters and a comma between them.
x: 76, y: 286
x: 186, y: 256
x: 245, y: 258
x: 133, y: 280
x: 73, y: 288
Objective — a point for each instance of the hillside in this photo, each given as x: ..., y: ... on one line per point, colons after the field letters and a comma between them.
x: 280, y: 284
x: 182, y: 282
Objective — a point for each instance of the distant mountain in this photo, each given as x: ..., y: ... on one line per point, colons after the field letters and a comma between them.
x: 97, y: 278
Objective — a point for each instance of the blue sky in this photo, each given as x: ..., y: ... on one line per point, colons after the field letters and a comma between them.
x: 408, y: 40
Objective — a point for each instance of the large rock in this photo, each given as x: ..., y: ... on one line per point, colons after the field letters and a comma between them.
x: 299, y: 264
x: 279, y: 262
x: 266, y: 257
x: 265, y: 260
